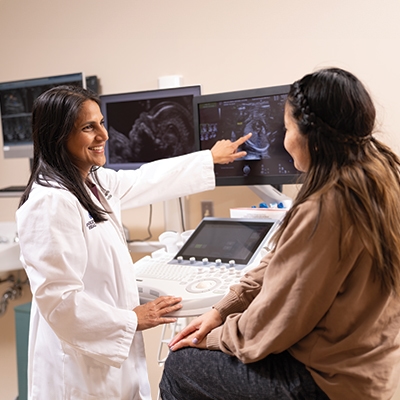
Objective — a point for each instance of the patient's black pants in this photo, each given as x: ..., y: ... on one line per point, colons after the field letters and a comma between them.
x: 194, y: 374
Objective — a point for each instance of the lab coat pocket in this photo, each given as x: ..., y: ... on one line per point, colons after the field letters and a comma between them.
x: 89, y: 379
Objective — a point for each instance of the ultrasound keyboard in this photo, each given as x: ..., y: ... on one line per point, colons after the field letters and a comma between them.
x: 158, y: 268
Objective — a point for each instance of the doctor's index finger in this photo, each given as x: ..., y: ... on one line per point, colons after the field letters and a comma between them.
x: 242, y: 139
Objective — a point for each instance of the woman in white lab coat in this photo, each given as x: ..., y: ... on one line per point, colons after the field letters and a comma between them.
x: 85, y: 339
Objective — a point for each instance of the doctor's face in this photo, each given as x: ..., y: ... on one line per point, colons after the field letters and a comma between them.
x: 85, y: 144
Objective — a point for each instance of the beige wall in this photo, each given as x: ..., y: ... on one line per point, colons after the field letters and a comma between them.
x: 221, y: 44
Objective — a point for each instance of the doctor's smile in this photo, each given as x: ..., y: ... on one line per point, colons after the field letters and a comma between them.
x: 98, y: 149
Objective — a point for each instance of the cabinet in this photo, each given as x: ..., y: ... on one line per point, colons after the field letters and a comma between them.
x: 22, y: 317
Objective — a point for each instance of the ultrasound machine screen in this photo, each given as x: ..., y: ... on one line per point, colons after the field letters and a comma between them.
x: 234, y: 114
x: 226, y: 239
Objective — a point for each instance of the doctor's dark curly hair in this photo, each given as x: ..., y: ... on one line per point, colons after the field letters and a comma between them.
x: 53, y: 117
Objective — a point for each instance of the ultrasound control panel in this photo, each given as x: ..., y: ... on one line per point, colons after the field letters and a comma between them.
x: 215, y: 257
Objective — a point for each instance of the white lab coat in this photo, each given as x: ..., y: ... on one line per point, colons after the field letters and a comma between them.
x: 83, y: 342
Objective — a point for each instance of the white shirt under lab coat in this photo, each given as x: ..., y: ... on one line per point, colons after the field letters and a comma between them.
x: 83, y: 342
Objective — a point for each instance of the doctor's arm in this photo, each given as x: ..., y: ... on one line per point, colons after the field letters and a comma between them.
x: 174, y: 177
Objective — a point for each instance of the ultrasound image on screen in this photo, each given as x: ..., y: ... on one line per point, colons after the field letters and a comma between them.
x: 232, y: 119
x: 146, y: 130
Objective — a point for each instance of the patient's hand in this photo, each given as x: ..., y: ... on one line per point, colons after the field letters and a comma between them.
x: 195, y: 333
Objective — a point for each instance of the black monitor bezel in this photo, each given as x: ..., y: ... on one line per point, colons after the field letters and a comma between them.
x: 275, y: 180
x: 193, y: 90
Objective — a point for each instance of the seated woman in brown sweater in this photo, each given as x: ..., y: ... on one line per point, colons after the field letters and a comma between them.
x: 320, y: 316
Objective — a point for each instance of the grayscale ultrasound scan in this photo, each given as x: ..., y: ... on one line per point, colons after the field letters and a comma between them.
x: 155, y: 130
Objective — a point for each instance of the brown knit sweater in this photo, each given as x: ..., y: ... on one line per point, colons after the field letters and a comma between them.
x: 321, y: 304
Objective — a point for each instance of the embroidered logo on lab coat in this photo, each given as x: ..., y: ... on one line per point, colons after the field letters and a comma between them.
x: 90, y: 224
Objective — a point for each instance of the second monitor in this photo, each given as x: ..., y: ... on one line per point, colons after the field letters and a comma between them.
x: 148, y: 126
x: 231, y: 115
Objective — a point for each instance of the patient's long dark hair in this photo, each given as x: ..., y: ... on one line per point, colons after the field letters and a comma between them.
x: 334, y: 111
x: 53, y: 117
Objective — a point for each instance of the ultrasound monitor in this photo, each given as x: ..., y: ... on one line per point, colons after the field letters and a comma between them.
x: 231, y: 115
x: 225, y: 239
x: 16, y: 101
x: 149, y: 125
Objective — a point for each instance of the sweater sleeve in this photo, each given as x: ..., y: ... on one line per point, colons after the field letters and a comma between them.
x: 283, y: 299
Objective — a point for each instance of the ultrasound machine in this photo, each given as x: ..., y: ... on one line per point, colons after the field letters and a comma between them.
x: 214, y: 257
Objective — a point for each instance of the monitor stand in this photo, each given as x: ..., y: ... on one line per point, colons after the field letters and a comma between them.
x: 271, y: 195
x: 176, y: 214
